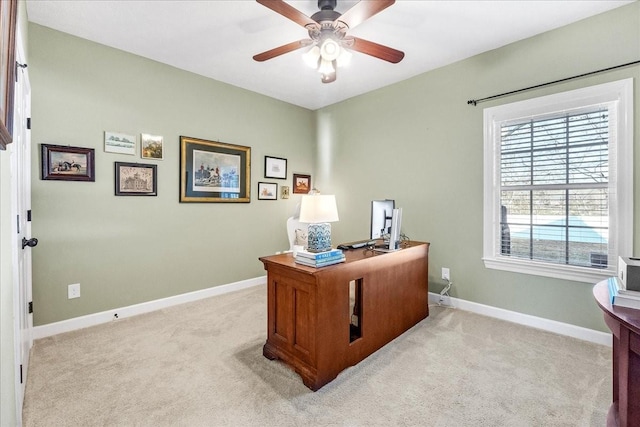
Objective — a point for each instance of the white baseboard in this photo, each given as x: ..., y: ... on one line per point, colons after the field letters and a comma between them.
x: 145, y: 307
x: 567, y: 329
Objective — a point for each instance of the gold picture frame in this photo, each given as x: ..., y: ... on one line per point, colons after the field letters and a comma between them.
x: 212, y: 171
x: 8, y: 14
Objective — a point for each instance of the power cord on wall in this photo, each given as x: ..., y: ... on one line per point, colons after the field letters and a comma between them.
x: 445, y: 291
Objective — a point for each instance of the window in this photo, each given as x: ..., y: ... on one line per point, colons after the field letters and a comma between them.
x: 558, y: 196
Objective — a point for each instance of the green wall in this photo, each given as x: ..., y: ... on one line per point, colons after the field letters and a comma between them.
x: 416, y: 141
x: 128, y: 250
x: 419, y: 143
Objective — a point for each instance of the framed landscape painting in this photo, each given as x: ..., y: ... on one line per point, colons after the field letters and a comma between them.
x: 212, y: 171
x: 151, y: 147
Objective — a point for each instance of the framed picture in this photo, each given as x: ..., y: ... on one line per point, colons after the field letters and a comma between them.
x: 267, y: 191
x: 64, y: 163
x: 284, y: 192
x: 8, y: 14
x: 136, y: 179
x: 275, y: 167
x: 214, y: 171
x: 301, y: 183
x: 119, y: 143
x: 151, y: 146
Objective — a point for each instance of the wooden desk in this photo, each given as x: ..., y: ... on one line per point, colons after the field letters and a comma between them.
x: 625, y: 326
x: 309, y: 312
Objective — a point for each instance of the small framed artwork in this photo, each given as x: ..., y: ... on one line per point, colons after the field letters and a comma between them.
x: 301, y: 183
x: 275, y: 167
x: 136, y: 179
x: 284, y: 192
x: 64, y: 163
x: 151, y: 147
x: 267, y: 191
x: 213, y: 171
x: 119, y: 143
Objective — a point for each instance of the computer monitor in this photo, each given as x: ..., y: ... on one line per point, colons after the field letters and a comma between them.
x: 392, y: 240
x: 381, y: 216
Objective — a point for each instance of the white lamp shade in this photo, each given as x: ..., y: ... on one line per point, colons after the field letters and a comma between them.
x: 326, y: 67
x: 312, y: 56
x: 318, y: 208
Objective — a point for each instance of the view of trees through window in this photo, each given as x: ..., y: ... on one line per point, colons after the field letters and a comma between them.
x: 554, y: 178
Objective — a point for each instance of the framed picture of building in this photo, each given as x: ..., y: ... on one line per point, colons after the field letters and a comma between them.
x: 136, y: 179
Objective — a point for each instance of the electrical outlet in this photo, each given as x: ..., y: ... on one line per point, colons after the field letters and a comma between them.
x: 445, y: 274
x: 73, y: 291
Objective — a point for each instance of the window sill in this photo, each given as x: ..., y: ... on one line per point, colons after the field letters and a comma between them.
x: 578, y: 274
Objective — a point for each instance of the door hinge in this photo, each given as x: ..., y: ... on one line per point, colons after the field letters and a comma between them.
x: 30, y: 307
x: 29, y: 215
x: 29, y: 123
x: 18, y: 223
x: 20, y: 374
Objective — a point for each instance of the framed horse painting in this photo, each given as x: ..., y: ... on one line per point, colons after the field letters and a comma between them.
x: 64, y: 163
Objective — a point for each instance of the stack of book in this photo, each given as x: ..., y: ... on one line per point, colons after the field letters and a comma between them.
x: 622, y: 297
x: 320, y: 259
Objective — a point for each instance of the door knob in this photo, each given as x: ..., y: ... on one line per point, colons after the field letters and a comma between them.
x: 31, y: 242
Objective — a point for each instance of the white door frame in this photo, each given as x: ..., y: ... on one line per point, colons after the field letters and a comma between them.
x: 21, y: 227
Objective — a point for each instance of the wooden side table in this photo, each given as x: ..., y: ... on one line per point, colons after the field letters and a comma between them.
x: 625, y: 327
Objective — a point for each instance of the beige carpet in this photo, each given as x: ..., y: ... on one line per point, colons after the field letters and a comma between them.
x: 201, y: 364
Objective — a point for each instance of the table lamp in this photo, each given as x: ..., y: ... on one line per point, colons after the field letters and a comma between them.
x: 318, y: 211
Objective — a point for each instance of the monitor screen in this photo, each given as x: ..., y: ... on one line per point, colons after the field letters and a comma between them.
x: 381, y: 215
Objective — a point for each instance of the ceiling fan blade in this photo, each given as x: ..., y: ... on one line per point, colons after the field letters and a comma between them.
x: 281, y: 50
x: 374, y: 49
x: 289, y: 12
x: 362, y: 11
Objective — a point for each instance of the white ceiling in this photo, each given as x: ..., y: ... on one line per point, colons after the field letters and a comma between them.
x: 218, y: 39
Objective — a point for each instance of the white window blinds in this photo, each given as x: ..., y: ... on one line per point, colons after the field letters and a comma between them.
x: 554, y: 179
x: 558, y: 183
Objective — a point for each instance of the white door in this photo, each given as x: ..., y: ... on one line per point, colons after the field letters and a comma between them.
x: 21, y: 203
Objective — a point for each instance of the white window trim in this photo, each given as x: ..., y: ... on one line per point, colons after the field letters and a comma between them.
x: 619, y: 93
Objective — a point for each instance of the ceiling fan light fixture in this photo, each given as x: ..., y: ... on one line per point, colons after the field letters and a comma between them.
x: 329, y: 49
x: 311, y: 57
x: 326, y: 67
x: 344, y: 59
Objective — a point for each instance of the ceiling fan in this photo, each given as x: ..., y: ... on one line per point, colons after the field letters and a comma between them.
x: 328, y: 40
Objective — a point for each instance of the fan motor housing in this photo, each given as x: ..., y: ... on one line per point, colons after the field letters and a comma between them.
x: 326, y: 12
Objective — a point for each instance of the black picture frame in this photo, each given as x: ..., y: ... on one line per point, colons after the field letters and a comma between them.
x: 212, y: 171
x: 136, y: 179
x: 267, y: 191
x: 275, y: 167
x: 66, y: 163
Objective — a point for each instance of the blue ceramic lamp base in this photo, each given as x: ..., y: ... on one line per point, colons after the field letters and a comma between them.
x: 319, y: 237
